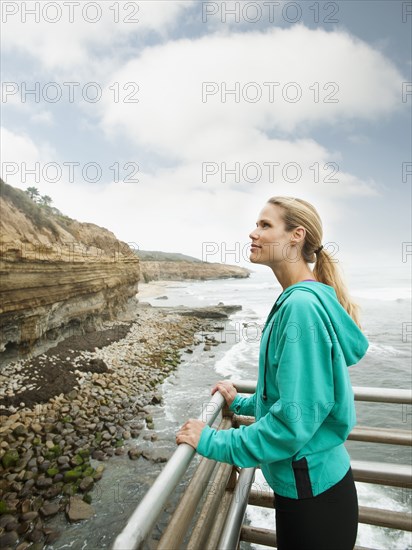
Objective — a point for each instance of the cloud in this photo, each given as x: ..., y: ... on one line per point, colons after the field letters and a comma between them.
x: 18, y: 148
x: 225, y: 130
x: 280, y: 81
x: 66, y: 36
x: 23, y: 160
x: 43, y: 117
x: 359, y: 139
x: 168, y: 210
x: 221, y: 155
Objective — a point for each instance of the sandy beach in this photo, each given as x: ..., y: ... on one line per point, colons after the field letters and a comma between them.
x: 153, y: 289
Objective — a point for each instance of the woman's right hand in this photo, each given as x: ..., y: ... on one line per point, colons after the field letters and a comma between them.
x: 227, y: 389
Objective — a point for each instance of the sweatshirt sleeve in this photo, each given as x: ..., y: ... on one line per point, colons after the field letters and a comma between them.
x: 304, y: 378
x: 244, y: 405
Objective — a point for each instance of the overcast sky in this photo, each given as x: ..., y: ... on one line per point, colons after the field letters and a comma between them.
x: 172, y: 122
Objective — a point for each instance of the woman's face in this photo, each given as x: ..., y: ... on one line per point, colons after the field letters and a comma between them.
x: 270, y: 240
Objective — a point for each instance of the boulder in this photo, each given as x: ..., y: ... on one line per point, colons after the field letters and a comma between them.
x: 78, y: 510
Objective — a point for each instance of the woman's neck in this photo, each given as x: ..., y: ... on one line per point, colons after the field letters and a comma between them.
x: 290, y: 274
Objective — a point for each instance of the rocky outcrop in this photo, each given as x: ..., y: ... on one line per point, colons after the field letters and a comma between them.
x: 220, y: 311
x: 58, y: 276
x: 182, y: 270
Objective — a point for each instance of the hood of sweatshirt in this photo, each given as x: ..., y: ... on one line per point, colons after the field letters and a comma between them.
x: 351, y: 339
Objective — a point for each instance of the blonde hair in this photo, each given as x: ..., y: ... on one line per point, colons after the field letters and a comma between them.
x: 297, y: 212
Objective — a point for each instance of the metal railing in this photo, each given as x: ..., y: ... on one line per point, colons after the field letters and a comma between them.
x: 225, y: 494
x: 144, y: 517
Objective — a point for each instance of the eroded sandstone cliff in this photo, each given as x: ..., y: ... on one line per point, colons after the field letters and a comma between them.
x: 56, y: 274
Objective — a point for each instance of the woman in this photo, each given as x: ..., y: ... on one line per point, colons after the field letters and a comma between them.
x: 303, y: 404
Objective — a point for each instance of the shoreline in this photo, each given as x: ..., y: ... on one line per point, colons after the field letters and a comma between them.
x: 155, y: 288
x: 89, y: 399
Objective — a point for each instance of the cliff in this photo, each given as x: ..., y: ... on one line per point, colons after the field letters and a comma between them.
x: 57, y: 275
x: 181, y: 270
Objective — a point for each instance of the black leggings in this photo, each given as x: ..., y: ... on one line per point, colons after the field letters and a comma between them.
x: 324, y: 522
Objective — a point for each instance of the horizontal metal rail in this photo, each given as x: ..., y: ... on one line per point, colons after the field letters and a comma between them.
x: 264, y: 499
x: 383, y: 395
x: 377, y: 395
x: 402, y: 521
x: 258, y: 535
x: 372, y: 516
x: 387, y: 436
x: 245, y: 386
x: 267, y: 537
x: 382, y: 473
x: 144, y: 517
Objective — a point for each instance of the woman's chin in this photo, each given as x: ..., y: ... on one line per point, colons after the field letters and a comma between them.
x: 254, y: 258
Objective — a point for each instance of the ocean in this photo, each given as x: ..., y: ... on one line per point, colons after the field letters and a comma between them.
x: 384, y: 296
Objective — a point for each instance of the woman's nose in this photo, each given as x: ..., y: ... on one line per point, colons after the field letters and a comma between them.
x: 253, y: 235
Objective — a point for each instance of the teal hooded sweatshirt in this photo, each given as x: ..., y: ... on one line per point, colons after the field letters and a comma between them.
x: 304, y: 402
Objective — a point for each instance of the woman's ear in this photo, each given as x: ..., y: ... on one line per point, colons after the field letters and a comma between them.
x: 298, y: 235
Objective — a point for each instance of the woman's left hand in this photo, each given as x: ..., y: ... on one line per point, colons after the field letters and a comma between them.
x: 190, y: 433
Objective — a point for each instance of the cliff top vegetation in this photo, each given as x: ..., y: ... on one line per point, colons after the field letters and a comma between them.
x: 40, y: 213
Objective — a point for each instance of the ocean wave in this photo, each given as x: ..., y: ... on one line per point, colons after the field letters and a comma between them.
x: 377, y: 537
x: 231, y: 362
x: 383, y: 293
x: 380, y: 349
x: 261, y: 286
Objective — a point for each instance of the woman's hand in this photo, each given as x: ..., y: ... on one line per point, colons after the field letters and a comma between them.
x: 190, y: 433
x: 227, y: 389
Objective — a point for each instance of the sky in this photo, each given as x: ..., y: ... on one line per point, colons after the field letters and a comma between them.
x: 171, y: 123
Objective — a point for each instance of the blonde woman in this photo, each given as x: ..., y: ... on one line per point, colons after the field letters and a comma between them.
x: 303, y: 404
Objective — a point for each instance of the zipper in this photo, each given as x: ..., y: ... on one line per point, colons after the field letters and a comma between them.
x: 270, y: 321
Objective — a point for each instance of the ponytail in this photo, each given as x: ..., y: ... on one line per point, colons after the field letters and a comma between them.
x: 327, y: 272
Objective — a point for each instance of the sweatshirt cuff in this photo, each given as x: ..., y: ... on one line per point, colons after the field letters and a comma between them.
x: 203, y: 444
x: 235, y: 405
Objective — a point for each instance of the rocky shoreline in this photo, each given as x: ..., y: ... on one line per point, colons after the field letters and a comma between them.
x: 65, y: 412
